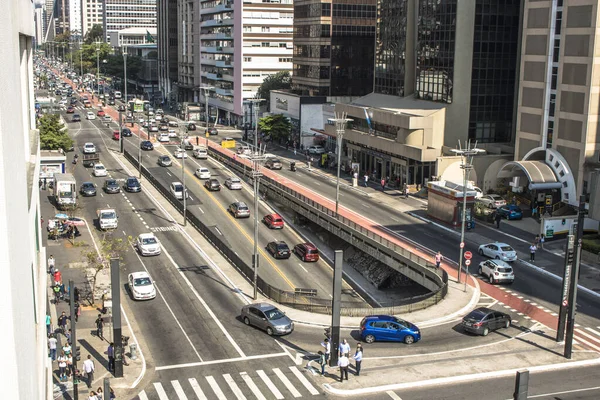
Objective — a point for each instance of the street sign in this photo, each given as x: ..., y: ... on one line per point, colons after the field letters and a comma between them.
x: 462, y: 245
x: 565, y: 303
x: 467, y: 262
x: 468, y: 255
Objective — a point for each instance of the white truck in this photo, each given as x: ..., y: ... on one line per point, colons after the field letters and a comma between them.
x: 64, y: 188
x: 107, y: 218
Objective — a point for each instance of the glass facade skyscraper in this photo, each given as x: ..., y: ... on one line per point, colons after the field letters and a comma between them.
x: 390, y: 48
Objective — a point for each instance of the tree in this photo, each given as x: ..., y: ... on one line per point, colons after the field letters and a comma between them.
x: 280, y: 80
x: 53, y: 135
x: 277, y: 126
x: 110, y: 247
x: 95, y: 34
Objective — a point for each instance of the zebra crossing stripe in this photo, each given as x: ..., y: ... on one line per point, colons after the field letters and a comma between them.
x: 287, y: 382
x: 178, y: 390
x: 234, y: 387
x: 257, y: 393
x: 196, y: 388
x: 303, y: 379
x: 593, y: 331
x: 142, y: 395
x: 270, y: 384
x: 215, y: 387
x: 162, y: 395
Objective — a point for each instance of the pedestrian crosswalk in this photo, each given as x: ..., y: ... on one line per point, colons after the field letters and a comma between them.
x: 587, y: 337
x: 277, y: 383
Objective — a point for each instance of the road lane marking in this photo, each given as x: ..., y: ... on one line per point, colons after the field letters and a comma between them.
x: 142, y: 395
x: 179, y: 390
x: 301, y: 266
x: 218, y: 231
x: 393, y: 395
x: 270, y: 384
x: 162, y: 395
x: 555, y: 394
x: 593, y: 331
x: 196, y: 388
x: 287, y: 382
x: 234, y: 387
x: 250, y: 383
x: 304, y: 381
x: 201, y: 210
x: 222, y: 361
x: 215, y: 387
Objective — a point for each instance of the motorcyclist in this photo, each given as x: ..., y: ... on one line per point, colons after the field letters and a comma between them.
x: 293, y: 166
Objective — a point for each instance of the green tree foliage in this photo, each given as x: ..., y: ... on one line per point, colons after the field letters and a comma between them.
x: 64, y: 37
x: 94, y: 35
x: 279, y: 81
x: 53, y: 136
x: 277, y: 126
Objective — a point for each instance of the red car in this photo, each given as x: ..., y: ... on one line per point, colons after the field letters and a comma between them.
x: 307, y: 252
x: 70, y: 110
x: 101, y: 113
x: 116, y: 135
x: 273, y: 221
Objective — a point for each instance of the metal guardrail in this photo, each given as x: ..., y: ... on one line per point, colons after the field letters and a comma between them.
x: 304, y: 301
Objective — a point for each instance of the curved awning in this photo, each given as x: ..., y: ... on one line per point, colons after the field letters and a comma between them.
x: 539, y: 174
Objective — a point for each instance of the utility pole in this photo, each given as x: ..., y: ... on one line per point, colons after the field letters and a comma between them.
x: 466, y: 165
x: 115, y: 281
x: 183, y: 178
x: 564, y: 300
x: 81, y: 60
x: 340, y: 122
x: 336, y: 307
x: 206, y: 89
x: 74, y: 351
x: 257, y: 157
x: 572, y: 304
x: 98, y: 69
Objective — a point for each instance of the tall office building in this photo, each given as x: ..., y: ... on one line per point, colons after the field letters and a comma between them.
x: 123, y: 14
x: 75, y: 26
x: 39, y: 26
x: 61, y: 16
x: 91, y: 14
x: 334, y: 42
x: 557, y: 118
x: 25, y: 365
x: 167, y: 46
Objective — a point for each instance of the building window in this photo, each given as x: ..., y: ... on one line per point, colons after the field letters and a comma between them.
x: 265, y: 29
x: 557, y: 26
x: 554, y: 78
x: 247, y: 59
x: 390, y: 46
x: 556, y: 55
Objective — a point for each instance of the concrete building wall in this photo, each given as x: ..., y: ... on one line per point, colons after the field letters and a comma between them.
x: 91, y: 14
x: 24, y: 363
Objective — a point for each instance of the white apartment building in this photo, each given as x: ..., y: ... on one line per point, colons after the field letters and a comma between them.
x: 26, y: 369
x: 240, y: 43
x: 123, y: 14
x: 91, y: 14
x: 75, y: 26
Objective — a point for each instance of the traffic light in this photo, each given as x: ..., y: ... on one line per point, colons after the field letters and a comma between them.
x: 77, y: 352
x: 570, y: 257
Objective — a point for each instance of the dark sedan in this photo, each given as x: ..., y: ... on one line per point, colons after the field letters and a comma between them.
x: 482, y: 321
x: 212, y: 131
x: 147, y: 145
x: 111, y: 186
x: 121, y: 108
x: 133, y: 185
x: 191, y: 127
x: 212, y: 185
x: 279, y: 249
x: 87, y: 189
x: 76, y: 118
x: 126, y: 132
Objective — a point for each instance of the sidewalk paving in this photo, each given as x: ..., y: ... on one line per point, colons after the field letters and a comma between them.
x: 70, y: 262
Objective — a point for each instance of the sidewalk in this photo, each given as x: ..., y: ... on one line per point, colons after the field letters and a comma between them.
x: 70, y: 262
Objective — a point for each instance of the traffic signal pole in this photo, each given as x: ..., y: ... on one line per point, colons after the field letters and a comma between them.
x: 74, y: 347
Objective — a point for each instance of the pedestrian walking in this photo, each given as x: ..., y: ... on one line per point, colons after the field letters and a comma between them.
x: 57, y: 277
x: 52, y: 347
x: 366, y: 177
x: 88, y: 369
x: 70, y: 367
x: 343, y: 363
x: 99, y: 393
x: 532, y: 250
x: 62, y: 322
x: 327, y: 347
x: 438, y: 259
x: 322, y: 362
x: 99, y: 326
x: 44, y: 187
x: 41, y: 184
x: 358, y: 355
x: 92, y: 396
x: 542, y: 240
x: 197, y: 140
x: 51, y: 264
x: 48, y: 324
x: 56, y: 289
x: 68, y: 336
x: 62, y: 366
x: 382, y: 184
x: 110, y: 352
x: 498, y: 218
x: 344, y: 347
x: 536, y: 241
x: 67, y: 349
x: 294, y: 150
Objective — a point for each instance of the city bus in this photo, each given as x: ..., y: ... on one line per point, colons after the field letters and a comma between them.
x: 137, y: 105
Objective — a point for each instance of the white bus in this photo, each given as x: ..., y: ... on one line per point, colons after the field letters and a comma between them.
x: 117, y: 95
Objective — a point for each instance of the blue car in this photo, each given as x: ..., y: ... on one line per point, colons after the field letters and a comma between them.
x: 147, y: 145
x: 387, y: 328
x: 510, y: 211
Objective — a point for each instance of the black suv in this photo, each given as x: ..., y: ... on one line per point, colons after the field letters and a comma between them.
x: 133, y: 185
x: 126, y: 132
x: 213, y: 185
x: 279, y: 249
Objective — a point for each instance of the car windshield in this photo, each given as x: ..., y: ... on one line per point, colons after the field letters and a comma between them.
x: 149, y: 240
x: 108, y: 215
x: 132, y: 182
x: 275, y: 160
x: 515, y: 209
x: 178, y: 188
x: 282, y: 246
x: 243, y: 207
x: 235, y: 180
x: 504, y: 269
x: 274, y: 314
x: 476, y: 314
x: 277, y: 219
x: 99, y: 166
x: 142, y: 282
x: 112, y: 182
x: 506, y: 248
x: 88, y: 185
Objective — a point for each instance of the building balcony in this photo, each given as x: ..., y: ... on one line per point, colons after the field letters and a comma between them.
x: 224, y: 64
x: 216, y: 36
x: 225, y: 6
x: 217, y: 22
x: 228, y: 77
x: 224, y: 92
x: 208, y: 61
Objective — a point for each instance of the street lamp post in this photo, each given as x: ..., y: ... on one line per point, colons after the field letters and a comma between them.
x: 97, y: 69
x: 256, y: 174
x: 466, y: 165
x: 206, y: 89
x: 81, y: 60
x: 183, y: 179
x: 340, y: 121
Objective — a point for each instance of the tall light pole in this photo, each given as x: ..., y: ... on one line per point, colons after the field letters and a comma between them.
x: 98, y: 69
x: 183, y: 179
x: 81, y: 60
x: 466, y: 165
x: 340, y: 121
x: 256, y: 174
x: 206, y: 89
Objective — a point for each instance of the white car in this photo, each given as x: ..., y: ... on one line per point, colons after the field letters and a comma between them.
x: 316, y: 150
x: 100, y: 170
x: 203, y: 173
x: 233, y: 183
x: 141, y: 286
x: 90, y: 115
x: 176, y: 189
x: 158, y: 117
x: 163, y: 137
x: 496, y: 271
x: 499, y: 251
x: 244, y: 150
x: 89, y: 148
x: 179, y: 153
x: 153, y: 128
x: 492, y: 200
x: 172, y: 133
x: 147, y: 244
x: 174, y: 124
x: 200, y: 153
x: 141, y: 120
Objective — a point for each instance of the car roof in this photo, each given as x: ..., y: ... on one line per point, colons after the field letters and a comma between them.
x: 87, y: 183
x: 176, y: 183
x: 500, y: 263
x: 234, y: 178
x: 309, y: 246
x: 146, y: 235
x: 262, y: 306
x: 140, y: 274
x: 380, y: 318
x: 497, y: 244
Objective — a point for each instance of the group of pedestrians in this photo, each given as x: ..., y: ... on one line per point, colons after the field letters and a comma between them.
x: 343, y: 358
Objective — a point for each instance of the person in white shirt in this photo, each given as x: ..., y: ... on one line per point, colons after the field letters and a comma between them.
x: 343, y: 363
x: 358, y: 358
x: 327, y: 347
x: 51, y: 263
x: 62, y: 366
x: 89, y: 368
x: 344, y: 347
x: 52, y: 346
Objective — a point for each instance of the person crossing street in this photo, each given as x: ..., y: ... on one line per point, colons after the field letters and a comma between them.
x: 532, y: 250
x: 438, y: 259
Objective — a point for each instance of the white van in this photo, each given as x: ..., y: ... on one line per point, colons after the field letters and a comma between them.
x: 118, y: 95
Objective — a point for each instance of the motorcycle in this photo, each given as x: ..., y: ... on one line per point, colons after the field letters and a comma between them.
x: 293, y: 166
